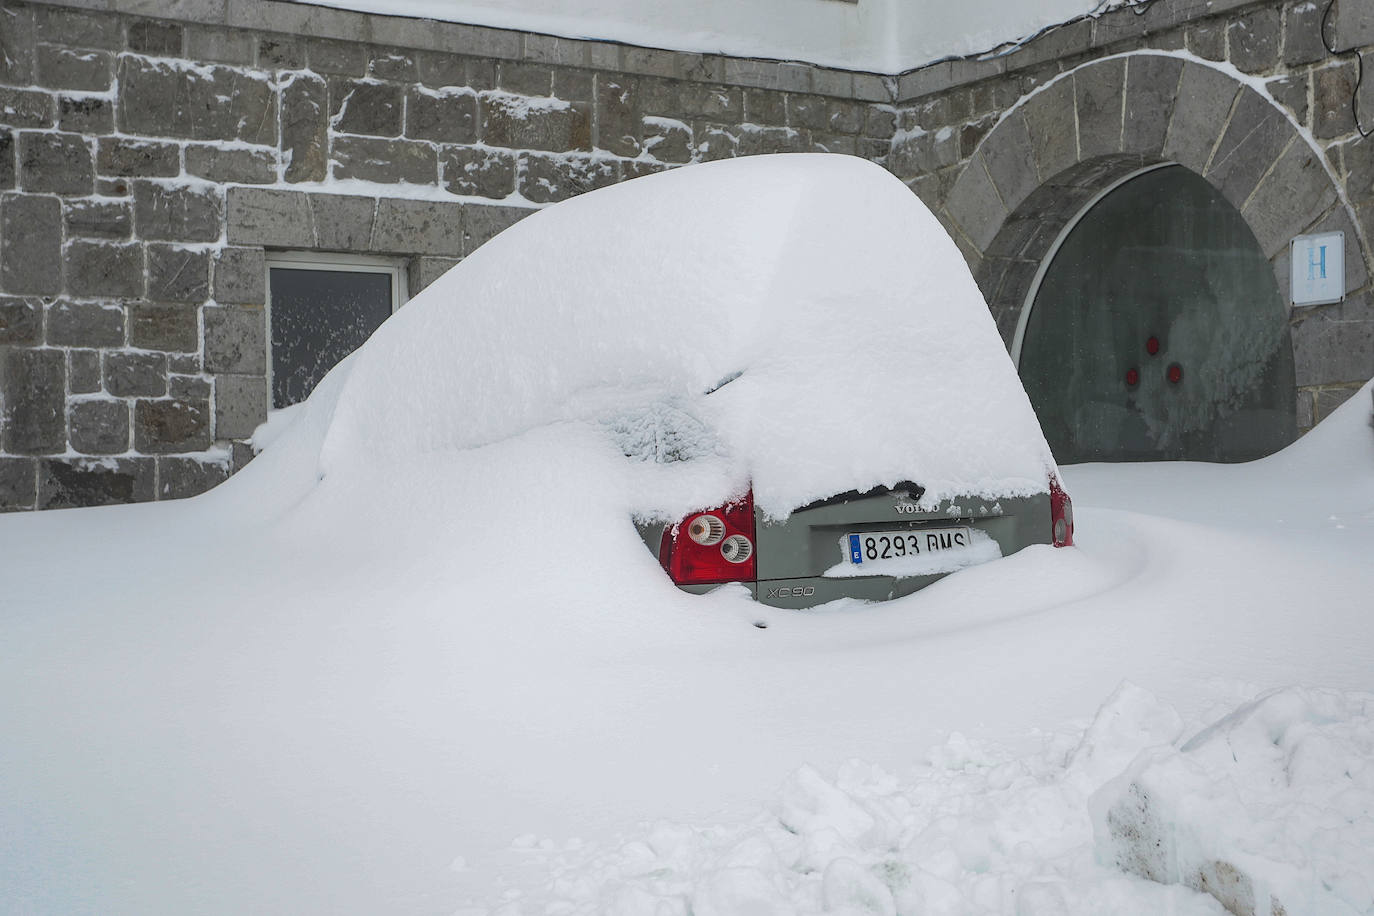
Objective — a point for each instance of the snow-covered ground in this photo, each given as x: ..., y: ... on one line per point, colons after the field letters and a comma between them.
x: 415, y: 659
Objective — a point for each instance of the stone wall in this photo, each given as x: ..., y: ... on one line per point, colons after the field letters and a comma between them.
x: 147, y: 165
x: 151, y: 155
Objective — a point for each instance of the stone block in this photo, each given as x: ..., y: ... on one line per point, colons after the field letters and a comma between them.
x: 26, y: 107
x: 1328, y: 399
x: 754, y: 141
x: 31, y: 239
x: 83, y: 371
x: 343, y: 222
x: 97, y: 218
x: 240, y: 405
x: 189, y: 386
x: 1305, y: 411
x: 444, y: 116
x: 1011, y: 170
x: 619, y: 124
x: 183, y: 363
x: 77, y: 28
x: 235, y: 341
x: 238, y: 166
x: 574, y: 85
x: 161, y: 98
x: 66, y: 68
x: 258, y: 216
x: 880, y: 122
x: 716, y: 103
x: 1255, y: 38
x: 807, y: 111
x: 177, y: 274
x: 99, y: 426
x: 281, y: 52
x: 240, y: 454
x: 168, y: 328
x: 1290, y: 198
x: 385, y: 161
x: 668, y: 140
x: 482, y: 223
x: 33, y: 394
x: 366, y: 107
x: 131, y: 374
x: 9, y: 175
x: 1302, y: 43
x: 1050, y: 124
x: 971, y: 135
x: 1332, y: 90
x: 137, y: 158
x: 638, y: 168
x: 304, y: 128
x: 419, y: 227
x: 55, y: 164
x: 515, y: 122
x: 421, y: 272
x: 1206, y: 39
x: 21, y: 321
x: 549, y: 49
x: 1334, y: 344
x: 105, y: 269
x: 155, y: 39
x: 1256, y: 135
x: 220, y: 46
x: 524, y: 78
x: 1200, y: 111
x: 478, y: 172
x: 545, y: 179
x: 180, y: 478
x: 1352, y: 25
x: 764, y: 106
x: 649, y: 61
x: 73, y: 483
x: 919, y: 153
x: 1098, y: 92
x: 170, y: 426
x: 85, y: 115
x: 837, y: 83
x: 85, y: 324
x: 18, y: 476
x: 180, y: 214
x: 713, y: 142
x: 344, y: 58
x: 17, y: 43
x: 1291, y: 92
x: 974, y: 204
x: 438, y: 70
x: 397, y: 66
x: 241, y: 276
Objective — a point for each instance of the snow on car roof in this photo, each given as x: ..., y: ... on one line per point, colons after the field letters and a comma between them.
x: 858, y: 348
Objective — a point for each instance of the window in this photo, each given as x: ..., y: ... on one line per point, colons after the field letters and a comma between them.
x: 320, y: 308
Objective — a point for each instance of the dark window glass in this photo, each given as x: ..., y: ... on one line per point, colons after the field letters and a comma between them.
x: 318, y: 318
x: 1159, y: 332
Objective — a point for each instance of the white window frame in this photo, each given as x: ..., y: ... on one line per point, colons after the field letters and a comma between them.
x: 396, y: 268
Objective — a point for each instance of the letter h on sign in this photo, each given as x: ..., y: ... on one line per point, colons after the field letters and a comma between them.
x: 1317, y: 274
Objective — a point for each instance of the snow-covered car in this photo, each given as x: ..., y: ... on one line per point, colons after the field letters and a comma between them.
x: 800, y: 383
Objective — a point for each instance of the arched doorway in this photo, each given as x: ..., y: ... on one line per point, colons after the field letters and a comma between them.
x: 1156, y: 330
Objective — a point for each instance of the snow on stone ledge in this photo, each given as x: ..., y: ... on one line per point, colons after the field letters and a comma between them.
x: 1270, y: 810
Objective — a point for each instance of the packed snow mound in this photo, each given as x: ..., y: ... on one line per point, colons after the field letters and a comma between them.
x: 1271, y: 809
x: 802, y: 322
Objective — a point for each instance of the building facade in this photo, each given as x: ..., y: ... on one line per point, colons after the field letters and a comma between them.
x: 203, y: 204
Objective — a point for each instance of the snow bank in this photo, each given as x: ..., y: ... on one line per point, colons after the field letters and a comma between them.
x: 857, y: 349
x: 1270, y: 810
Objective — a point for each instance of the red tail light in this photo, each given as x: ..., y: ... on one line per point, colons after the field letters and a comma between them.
x: 1061, y: 515
x: 707, y: 548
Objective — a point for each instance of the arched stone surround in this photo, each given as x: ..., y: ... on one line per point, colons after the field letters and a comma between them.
x: 1084, y: 131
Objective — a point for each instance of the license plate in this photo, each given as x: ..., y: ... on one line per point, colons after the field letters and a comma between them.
x: 871, y: 546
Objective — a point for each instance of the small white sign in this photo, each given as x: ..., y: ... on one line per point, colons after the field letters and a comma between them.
x: 1318, y: 275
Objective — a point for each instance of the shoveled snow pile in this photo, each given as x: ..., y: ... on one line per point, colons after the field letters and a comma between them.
x: 1271, y: 809
x: 834, y: 321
